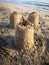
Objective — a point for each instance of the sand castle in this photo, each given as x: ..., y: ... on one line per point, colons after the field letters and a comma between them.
x: 14, y: 19
x: 34, y: 18
x: 24, y: 36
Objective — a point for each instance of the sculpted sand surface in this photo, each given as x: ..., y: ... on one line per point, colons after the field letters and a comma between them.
x: 12, y: 55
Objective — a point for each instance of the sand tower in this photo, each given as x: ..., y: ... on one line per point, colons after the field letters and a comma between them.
x: 34, y: 18
x: 14, y: 19
x: 24, y: 37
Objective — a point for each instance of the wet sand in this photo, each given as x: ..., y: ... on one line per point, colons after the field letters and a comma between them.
x: 21, y: 57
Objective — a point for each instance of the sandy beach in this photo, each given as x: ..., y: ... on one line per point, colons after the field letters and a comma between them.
x: 10, y: 55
